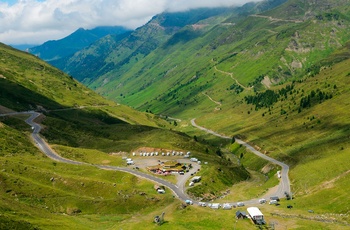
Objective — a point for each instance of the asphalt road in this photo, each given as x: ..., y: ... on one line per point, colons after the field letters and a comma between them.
x: 45, y: 148
x: 284, y: 185
x: 179, y: 189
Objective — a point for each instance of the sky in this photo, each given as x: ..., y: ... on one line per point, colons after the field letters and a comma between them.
x: 37, y: 21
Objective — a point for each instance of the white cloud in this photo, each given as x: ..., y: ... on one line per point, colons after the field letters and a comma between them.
x: 34, y: 21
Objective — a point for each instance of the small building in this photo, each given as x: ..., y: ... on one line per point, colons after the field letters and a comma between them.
x: 241, y: 215
x: 171, y: 164
x: 256, y: 215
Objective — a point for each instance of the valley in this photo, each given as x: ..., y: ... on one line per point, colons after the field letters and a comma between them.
x: 283, y: 187
x: 257, y: 93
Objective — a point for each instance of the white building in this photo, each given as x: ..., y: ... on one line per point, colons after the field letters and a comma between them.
x: 256, y: 215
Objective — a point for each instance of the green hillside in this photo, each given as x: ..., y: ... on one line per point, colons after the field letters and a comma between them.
x: 83, y: 126
x: 122, y: 51
x: 277, y: 79
x: 81, y: 38
x: 175, y: 76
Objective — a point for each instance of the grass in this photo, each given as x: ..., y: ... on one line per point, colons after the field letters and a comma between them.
x: 82, y: 197
x: 35, y: 188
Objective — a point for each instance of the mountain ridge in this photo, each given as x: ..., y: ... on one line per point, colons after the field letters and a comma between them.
x: 56, y: 49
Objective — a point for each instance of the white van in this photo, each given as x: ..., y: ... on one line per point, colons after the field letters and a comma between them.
x: 273, y: 202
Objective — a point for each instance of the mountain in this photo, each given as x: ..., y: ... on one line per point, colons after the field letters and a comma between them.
x: 24, y: 47
x: 276, y: 78
x: 122, y: 51
x: 82, y: 126
x: 279, y: 45
x: 52, y: 50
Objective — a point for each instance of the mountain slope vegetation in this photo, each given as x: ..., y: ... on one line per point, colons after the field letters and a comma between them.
x: 116, y: 52
x: 256, y: 48
x: 52, y: 50
x: 277, y: 79
x: 80, y: 125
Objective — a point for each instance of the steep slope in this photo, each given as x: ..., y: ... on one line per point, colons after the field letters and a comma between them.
x: 264, y: 46
x: 52, y: 50
x: 278, y: 79
x: 116, y: 52
x: 83, y: 126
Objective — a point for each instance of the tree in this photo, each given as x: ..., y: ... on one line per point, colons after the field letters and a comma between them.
x: 218, y: 152
x: 233, y: 140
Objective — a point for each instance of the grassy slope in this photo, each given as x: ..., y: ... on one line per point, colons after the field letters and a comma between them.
x: 28, y: 193
x: 166, y: 83
x: 79, y: 197
x: 313, y: 142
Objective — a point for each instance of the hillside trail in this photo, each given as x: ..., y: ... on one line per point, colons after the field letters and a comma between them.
x: 231, y: 75
x: 216, y: 102
x: 276, y: 19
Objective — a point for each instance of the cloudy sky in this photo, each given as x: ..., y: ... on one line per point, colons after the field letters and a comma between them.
x: 36, y: 21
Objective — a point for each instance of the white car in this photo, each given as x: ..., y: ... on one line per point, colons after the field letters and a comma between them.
x: 203, y: 204
x: 273, y: 202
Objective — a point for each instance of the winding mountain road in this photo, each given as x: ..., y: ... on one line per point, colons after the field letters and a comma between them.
x: 45, y: 148
x: 179, y: 189
x: 284, y: 185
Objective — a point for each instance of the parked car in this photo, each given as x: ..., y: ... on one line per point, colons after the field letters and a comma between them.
x: 190, y: 202
x: 240, y: 204
x: 273, y: 202
x: 226, y: 206
x: 262, y: 201
x: 203, y: 204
